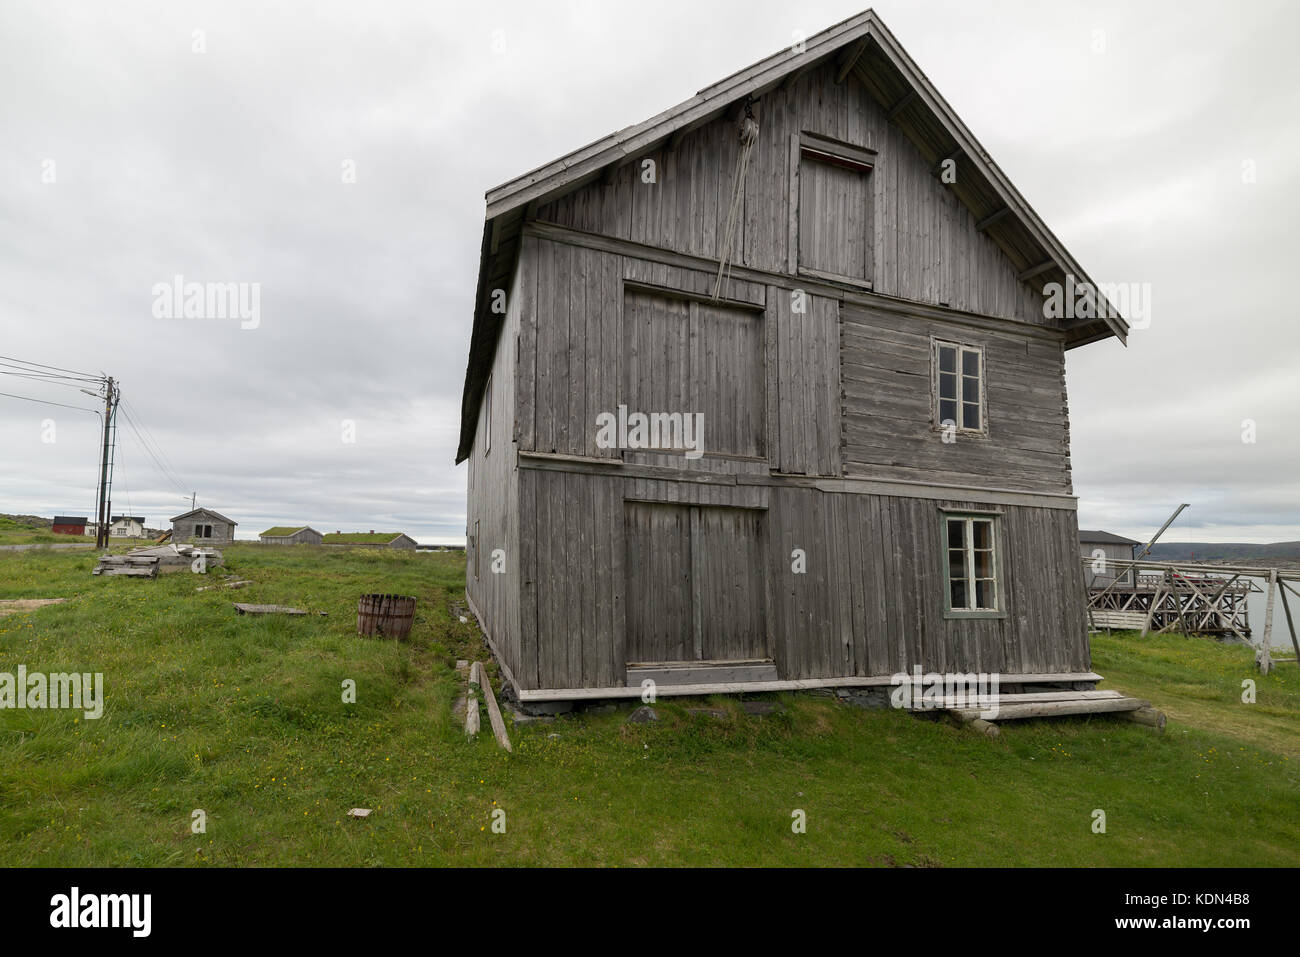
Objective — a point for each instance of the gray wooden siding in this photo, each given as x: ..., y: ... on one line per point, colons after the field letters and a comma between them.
x: 924, y: 245
x: 1111, y: 551
x: 493, y: 507
x: 870, y: 604
x: 888, y: 418
x: 766, y: 377
x: 834, y: 220
x: 222, y: 532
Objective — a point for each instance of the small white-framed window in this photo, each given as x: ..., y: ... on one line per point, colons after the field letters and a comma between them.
x: 959, y: 392
x: 971, y: 552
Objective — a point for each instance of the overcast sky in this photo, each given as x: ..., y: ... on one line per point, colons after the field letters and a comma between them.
x: 128, y: 157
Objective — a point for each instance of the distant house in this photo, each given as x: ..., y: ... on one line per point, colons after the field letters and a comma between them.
x: 67, y: 525
x: 126, y: 526
x: 371, y: 539
x: 1106, y: 546
x: 290, y: 535
x: 203, y: 526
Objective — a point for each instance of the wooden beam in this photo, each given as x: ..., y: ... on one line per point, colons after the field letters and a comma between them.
x: 494, y: 712
x: 788, y: 684
x: 1295, y: 643
x: 1038, y: 270
x: 849, y: 59
x: 992, y: 218
x: 471, y: 702
x: 953, y: 156
x: 901, y: 105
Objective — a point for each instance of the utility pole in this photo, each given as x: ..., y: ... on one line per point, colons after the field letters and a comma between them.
x: 101, y: 529
x: 193, y: 496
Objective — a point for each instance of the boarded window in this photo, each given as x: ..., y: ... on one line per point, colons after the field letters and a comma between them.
x: 835, y: 229
x: 959, y: 386
x: 972, y: 564
x: 684, y: 357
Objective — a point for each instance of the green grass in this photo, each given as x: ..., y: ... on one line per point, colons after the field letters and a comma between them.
x: 242, y: 717
x: 17, y: 533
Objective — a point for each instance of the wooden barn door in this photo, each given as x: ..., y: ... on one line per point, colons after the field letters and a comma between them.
x: 658, y: 589
x: 696, y: 584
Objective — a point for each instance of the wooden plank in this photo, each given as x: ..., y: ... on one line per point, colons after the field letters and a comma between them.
x: 494, y: 712
x: 471, y: 701
x: 1052, y: 709
x: 739, y: 687
x: 247, y: 609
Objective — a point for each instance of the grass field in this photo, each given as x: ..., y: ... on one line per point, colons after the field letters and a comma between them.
x: 243, y: 718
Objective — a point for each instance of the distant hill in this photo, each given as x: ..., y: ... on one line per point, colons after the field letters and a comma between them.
x: 1222, y: 551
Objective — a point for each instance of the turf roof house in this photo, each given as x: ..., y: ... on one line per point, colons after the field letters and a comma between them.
x: 829, y: 535
x: 290, y: 535
x: 371, y: 539
x: 203, y: 526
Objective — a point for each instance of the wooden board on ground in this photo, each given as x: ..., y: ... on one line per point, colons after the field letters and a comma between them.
x: 245, y: 609
x: 494, y: 713
x: 1053, y: 709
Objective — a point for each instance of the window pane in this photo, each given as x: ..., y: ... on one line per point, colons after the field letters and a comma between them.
x: 985, y: 594
x: 948, y: 412
x: 955, y: 537
x: 982, y: 531
x: 970, y: 362
x: 970, y: 415
x: 947, y: 385
x: 957, y: 594
x: 956, y: 564
x: 983, y: 564
x: 970, y: 389
x: 947, y: 359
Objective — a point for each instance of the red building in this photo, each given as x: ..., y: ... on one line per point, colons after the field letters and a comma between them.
x: 65, y: 525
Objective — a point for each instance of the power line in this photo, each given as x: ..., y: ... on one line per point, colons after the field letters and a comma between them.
x: 133, y: 417
x: 48, y: 402
x: 84, y: 375
x: 51, y: 379
x: 166, y: 473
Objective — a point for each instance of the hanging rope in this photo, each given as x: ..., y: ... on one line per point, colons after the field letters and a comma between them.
x: 748, y: 137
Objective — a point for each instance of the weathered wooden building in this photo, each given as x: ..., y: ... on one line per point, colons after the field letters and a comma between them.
x: 869, y: 468
x: 203, y: 526
x: 290, y: 535
x: 1108, y: 547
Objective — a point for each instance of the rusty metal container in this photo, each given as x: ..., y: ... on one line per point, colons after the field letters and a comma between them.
x: 389, y: 616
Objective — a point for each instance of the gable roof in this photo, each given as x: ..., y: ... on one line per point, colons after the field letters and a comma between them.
x: 68, y: 520
x: 206, y: 511
x: 861, y: 46
x: 282, y: 531
x: 126, y: 518
x: 1104, y: 538
x: 363, y: 538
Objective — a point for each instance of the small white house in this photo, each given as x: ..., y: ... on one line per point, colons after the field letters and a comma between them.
x: 126, y: 526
